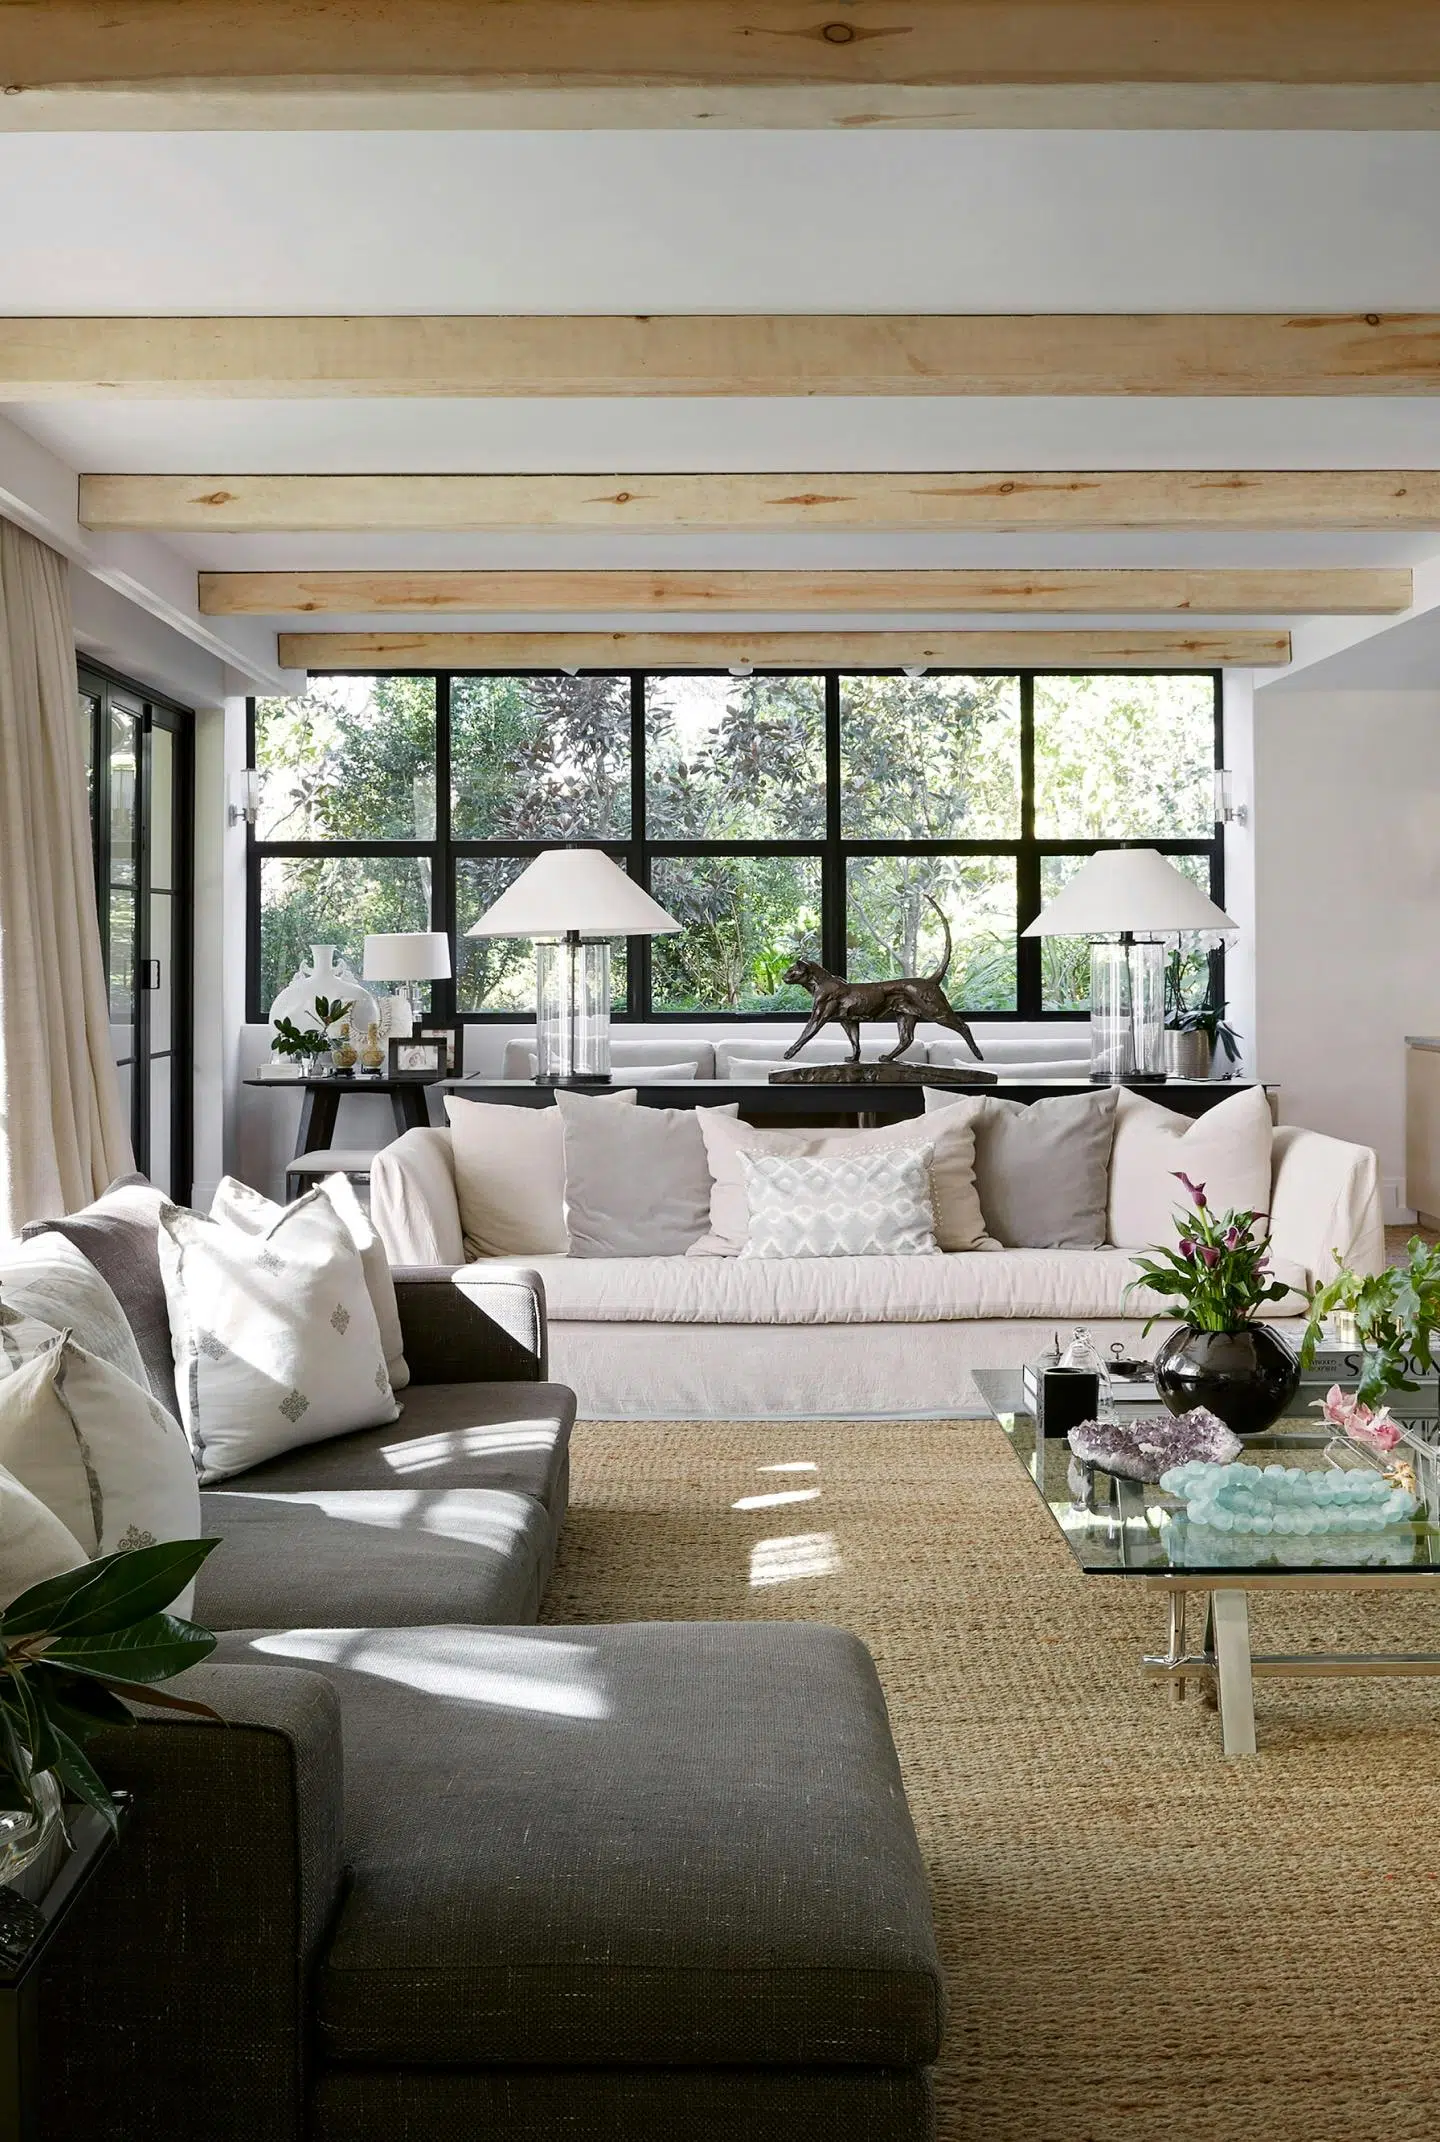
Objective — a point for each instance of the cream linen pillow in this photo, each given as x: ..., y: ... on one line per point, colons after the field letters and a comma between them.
x: 959, y: 1224
x: 1227, y: 1149
x: 275, y: 1335
x: 48, y: 1278
x: 510, y: 1176
x: 243, y: 1207
x: 34, y: 1545
x: 99, y: 1452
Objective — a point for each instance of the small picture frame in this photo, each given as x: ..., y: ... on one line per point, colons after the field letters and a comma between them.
x: 450, y: 1035
x: 417, y: 1056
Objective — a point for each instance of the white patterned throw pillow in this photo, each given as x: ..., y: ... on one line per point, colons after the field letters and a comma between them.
x: 874, y: 1204
x: 275, y: 1335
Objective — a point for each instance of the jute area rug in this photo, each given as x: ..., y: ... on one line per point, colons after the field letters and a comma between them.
x: 1141, y: 1939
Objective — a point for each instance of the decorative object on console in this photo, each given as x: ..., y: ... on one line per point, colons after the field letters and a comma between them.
x: 907, y: 1000
x: 1219, y: 1273
x: 1193, y: 1033
x: 874, y: 1204
x: 372, y: 1052
x: 884, y: 1073
x: 1127, y: 896
x: 328, y: 976
x: 71, y: 1649
x: 417, y: 1057
x: 1144, y: 1448
x: 408, y: 957
x: 571, y: 902
x: 431, y: 1030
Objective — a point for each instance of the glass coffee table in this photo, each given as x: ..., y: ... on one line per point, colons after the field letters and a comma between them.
x: 1133, y: 1529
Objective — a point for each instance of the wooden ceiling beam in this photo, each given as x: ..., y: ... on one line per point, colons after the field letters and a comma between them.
x: 781, y: 650
x: 1366, y: 591
x: 728, y: 62
x: 802, y: 354
x: 997, y: 502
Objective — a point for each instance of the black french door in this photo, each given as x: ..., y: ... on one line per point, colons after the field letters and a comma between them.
x: 139, y: 754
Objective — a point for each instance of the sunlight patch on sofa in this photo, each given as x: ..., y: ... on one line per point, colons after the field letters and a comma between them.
x: 468, y: 1665
x: 423, y: 1453
x: 488, y: 1518
x: 788, y: 1561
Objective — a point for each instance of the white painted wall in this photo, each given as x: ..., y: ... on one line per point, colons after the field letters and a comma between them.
x: 1347, y: 807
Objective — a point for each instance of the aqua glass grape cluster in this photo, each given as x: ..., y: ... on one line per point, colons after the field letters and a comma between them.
x: 1287, y: 1498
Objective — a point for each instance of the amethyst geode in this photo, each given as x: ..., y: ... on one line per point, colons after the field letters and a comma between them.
x: 1142, y: 1449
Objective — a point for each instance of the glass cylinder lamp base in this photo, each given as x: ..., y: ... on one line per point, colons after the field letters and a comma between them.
x: 572, y: 1011
x: 1127, y: 1013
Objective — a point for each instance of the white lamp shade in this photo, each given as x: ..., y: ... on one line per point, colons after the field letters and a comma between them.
x: 408, y: 956
x: 1128, y: 889
x: 574, y: 889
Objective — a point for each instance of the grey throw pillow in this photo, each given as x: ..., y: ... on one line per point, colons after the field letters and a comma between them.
x: 637, y: 1182
x: 1042, y: 1170
x: 119, y: 1233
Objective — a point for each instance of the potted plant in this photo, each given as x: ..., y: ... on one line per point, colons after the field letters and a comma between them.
x: 311, y: 1046
x: 1193, y: 1032
x: 1393, y: 1316
x: 75, y: 1652
x: 1219, y: 1276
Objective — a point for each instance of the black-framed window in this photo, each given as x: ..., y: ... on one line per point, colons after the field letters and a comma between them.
x: 832, y: 815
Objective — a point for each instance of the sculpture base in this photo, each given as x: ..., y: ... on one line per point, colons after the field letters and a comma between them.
x: 883, y: 1075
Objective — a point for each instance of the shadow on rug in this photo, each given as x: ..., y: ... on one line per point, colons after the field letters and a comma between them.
x: 1140, y: 1938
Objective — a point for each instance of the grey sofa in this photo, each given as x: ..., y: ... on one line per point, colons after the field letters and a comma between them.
x: 442, y: 1873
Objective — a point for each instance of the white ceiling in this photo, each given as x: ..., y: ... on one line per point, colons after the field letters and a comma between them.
x: 400, y: 222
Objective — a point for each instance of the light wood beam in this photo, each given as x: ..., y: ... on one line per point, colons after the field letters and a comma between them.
x: 730, y: 354
x: 782, y: 650
x: 1368, y: 591
x: 996, y: 502
x: 737, y: 62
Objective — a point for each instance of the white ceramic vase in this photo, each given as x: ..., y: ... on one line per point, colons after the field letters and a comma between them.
x: 324, y: 976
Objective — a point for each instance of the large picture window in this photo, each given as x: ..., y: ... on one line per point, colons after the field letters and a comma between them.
x: 830, y: 816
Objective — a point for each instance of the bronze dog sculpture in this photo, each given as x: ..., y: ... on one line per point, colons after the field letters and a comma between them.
x: 907, y: 1000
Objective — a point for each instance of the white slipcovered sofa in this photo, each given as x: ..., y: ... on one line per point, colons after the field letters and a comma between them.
x: 727, y: 1338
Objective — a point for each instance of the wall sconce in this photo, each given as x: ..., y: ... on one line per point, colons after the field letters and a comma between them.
x: 915, y: 669
x: 1227, y: 811
x: 742, y: 669
x: 244, y: 796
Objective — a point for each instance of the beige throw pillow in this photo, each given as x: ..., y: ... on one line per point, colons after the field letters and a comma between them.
x: 34, y: 1545
x: 959, y: 1224
x: 510, y: 1176
x: 1227, y: 1149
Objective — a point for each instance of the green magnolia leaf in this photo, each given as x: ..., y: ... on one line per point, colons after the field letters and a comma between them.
x: 152, y: 1650
x: 107, y: 1595
x: 34, y: 1725
x: 72, y: 1767
x: 77, y: 1704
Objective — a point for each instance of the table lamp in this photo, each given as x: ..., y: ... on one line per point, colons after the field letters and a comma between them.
x: 408, y: 957
x: 1126, y: 895
x: 572, y: 901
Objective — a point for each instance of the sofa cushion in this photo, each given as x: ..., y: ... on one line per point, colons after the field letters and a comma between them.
x: 637, y: 1183
x: 119, y: 1233
x: 51, y: 1280
x: 692, y: 1848
x: 510, y: 1175
x: 1074, y: 1285
x: 1042, y: 1171
x: 34, y: 1545
x: 511, y: 1436
x: 407, y: 1555
x: 1228, y: 1149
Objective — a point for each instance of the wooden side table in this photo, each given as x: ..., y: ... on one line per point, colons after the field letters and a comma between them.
x: 27, y: 1930
x: 321, y: 1106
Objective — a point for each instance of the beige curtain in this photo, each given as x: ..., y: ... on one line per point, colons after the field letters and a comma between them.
x: 63, y: 1134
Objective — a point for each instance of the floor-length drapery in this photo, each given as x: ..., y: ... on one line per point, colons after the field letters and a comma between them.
x: 63, y: 1133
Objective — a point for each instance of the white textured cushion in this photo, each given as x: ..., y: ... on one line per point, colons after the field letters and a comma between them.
x: 1227, y: 1149
x: 1070, y: 1286
x: 510, y: 1175
x: 275, y: 1335
x: 626, y: 1055
x: 248, y: 1209
x: 637, y: 1183
x: 51, y: 1280
x: 34, y: 1545
x: 958, y: 1221
x: 874, y: 1204
x: 93, y: 1446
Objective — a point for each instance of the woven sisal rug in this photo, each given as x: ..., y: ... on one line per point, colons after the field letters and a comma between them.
x: 1142, y: 1940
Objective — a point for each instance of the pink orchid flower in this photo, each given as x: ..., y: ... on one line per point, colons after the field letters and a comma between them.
x: 1374, y: 1429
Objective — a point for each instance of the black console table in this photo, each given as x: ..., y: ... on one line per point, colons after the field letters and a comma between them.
x: 864, y: 1104
x: 323, y: 1096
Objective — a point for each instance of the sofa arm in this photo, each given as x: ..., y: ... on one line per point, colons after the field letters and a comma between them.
x: 413, y: 1202
x: 177, y: 2002
x: 1324, y: 1197
x: 487, y: 1327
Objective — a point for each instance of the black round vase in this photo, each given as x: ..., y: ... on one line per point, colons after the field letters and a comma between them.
x: 1247, y: 1377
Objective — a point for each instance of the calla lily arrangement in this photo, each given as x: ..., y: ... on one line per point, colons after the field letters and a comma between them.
x: 1219, y: 1270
